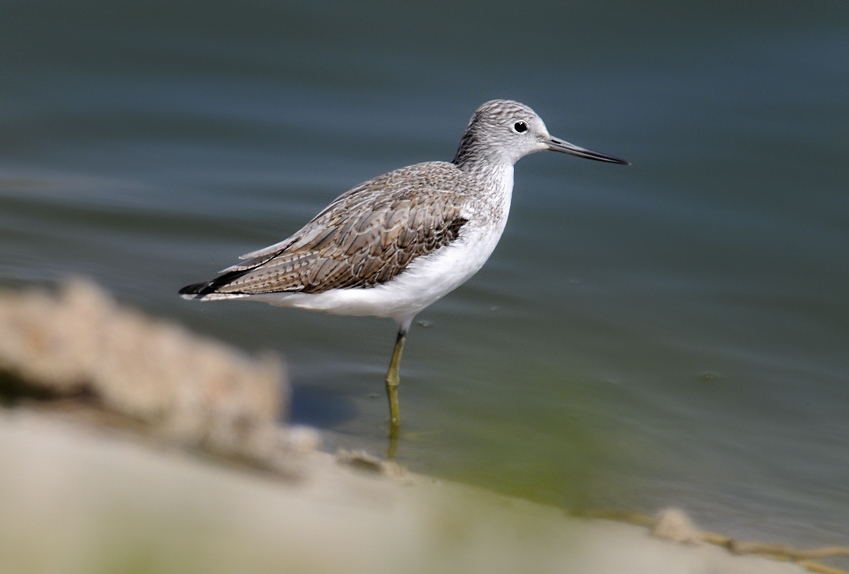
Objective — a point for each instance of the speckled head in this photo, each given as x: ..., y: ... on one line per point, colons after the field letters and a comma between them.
x: 504, y: 131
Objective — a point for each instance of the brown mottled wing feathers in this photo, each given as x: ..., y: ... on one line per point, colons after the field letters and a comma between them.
x: 365, y: 237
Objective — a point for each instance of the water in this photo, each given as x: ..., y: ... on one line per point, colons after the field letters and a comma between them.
x: 672, y: 333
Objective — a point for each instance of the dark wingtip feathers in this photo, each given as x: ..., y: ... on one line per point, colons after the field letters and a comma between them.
x: 198, y: 290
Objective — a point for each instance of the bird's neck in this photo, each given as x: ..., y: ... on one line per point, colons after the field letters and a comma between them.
x: 493, y: 192
x: 494, y: 177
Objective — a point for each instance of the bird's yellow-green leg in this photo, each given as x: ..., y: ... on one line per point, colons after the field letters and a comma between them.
x: 392, y: 380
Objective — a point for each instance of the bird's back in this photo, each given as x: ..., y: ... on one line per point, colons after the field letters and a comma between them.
x: 364, y: 238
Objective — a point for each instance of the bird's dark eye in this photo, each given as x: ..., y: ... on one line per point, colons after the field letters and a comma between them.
x: 520, y: 127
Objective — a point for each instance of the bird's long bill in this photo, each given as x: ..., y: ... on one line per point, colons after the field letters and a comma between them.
x: 555, y: 144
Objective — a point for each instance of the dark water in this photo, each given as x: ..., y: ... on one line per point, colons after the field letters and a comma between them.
x: 673, y: 333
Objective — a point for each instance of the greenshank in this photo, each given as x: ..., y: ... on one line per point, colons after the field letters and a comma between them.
x: 397, y: 243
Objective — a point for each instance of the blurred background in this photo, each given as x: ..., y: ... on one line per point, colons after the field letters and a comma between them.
x: 671, y: 333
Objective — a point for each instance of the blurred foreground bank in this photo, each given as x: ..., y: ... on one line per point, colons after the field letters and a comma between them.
x: 129, y: 445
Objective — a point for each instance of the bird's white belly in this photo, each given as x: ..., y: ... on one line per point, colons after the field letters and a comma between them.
x: 425, y: 280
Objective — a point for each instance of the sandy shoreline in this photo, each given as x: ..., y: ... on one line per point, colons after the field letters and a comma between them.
x: 75, y: 499
x: 128, y: 444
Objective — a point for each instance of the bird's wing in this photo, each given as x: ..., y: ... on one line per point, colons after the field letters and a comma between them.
x: 365, y: 237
